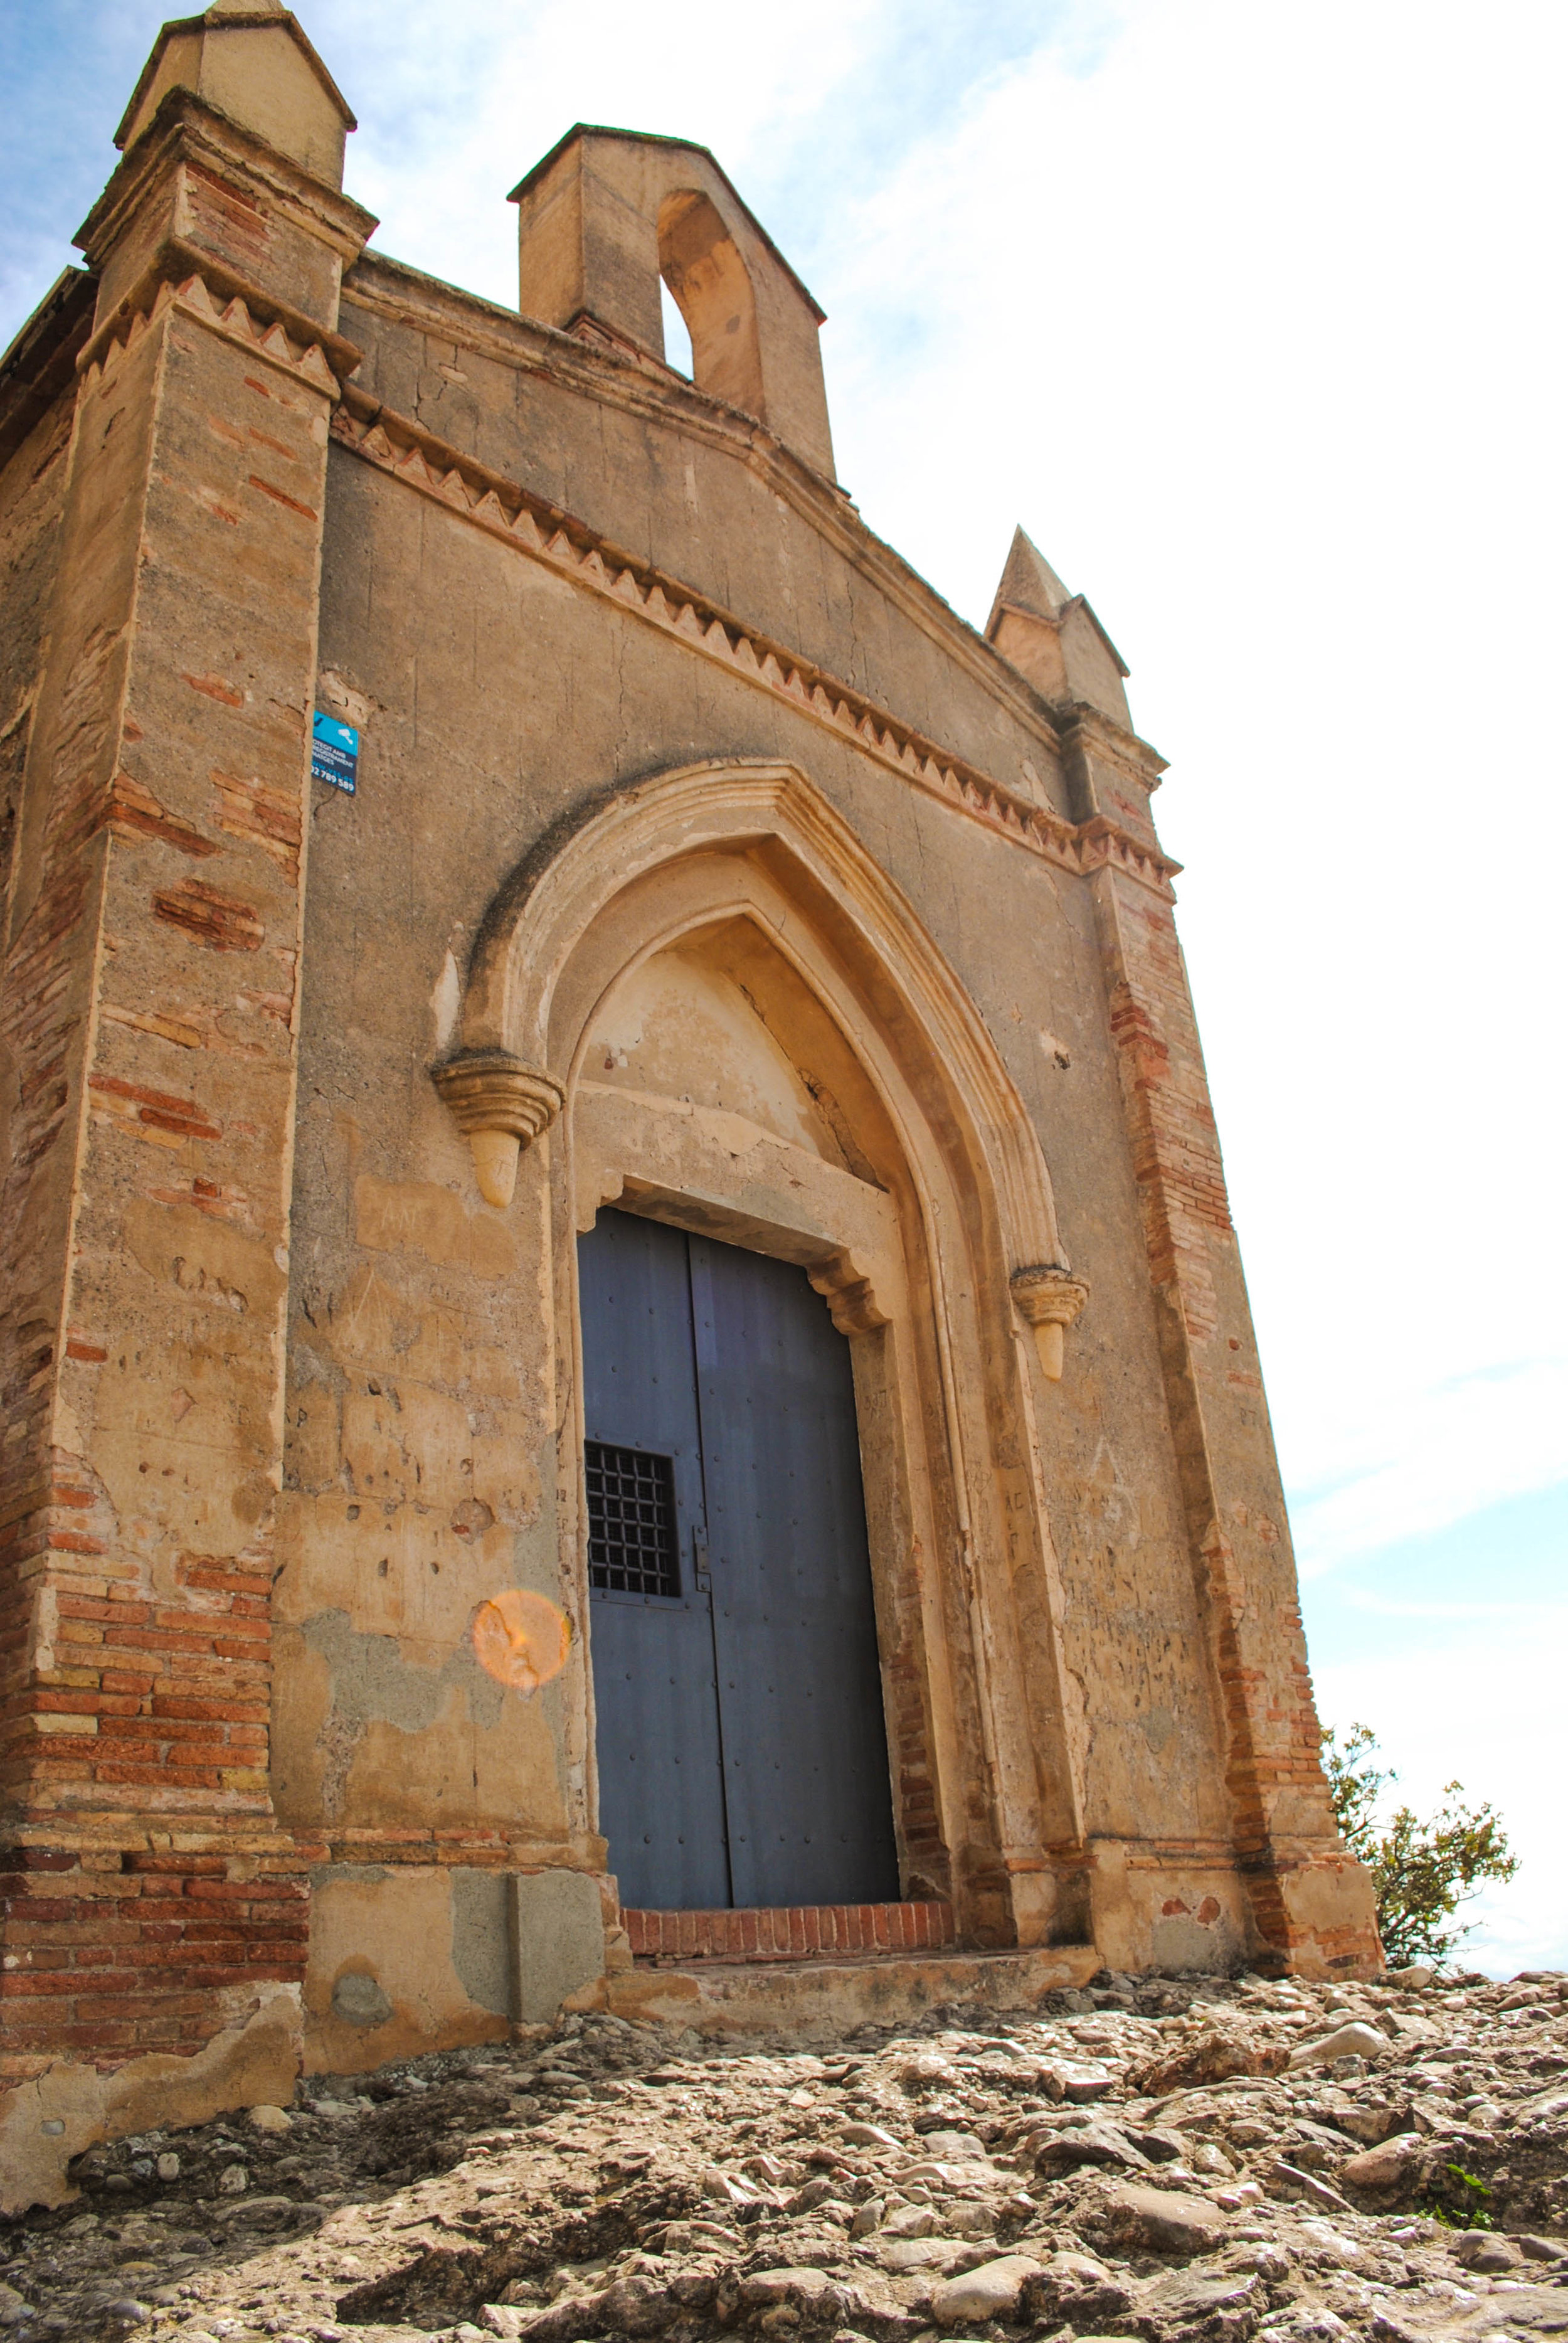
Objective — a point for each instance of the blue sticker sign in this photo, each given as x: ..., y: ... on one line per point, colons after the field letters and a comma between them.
x: 334, y: 752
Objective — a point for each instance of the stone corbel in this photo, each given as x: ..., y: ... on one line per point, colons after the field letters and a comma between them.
x: 845, y: 1283
x: 1049, y: 1300
x: 500, y: 1106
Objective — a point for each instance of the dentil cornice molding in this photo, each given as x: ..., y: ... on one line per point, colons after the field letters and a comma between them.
x: 397, y: 445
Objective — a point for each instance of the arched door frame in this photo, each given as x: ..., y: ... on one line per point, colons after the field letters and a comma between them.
x: 944, y: 1363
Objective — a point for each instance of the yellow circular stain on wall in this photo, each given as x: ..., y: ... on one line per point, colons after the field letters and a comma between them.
x: 521, y: 1639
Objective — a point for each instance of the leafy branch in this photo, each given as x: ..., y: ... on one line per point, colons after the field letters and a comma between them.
x: 1421, y: 1870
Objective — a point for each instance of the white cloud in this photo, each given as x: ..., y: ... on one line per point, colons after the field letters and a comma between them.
x: 1246, y: 325
x: 1431, y: 1456
x: 449, y: 128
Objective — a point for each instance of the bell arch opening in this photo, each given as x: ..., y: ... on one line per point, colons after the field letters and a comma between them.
x: 677, y: 333
x: 700, y: 264
x: 756, y: 1043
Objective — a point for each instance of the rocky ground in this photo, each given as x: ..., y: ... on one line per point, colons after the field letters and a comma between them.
x: 1185, y: 2161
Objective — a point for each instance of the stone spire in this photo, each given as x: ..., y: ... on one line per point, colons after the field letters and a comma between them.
x: 250, y: 60
x: 1029, y: 582
x: 1054, y: 637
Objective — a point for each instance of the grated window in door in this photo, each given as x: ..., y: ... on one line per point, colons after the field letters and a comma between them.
x: 632, y: 1522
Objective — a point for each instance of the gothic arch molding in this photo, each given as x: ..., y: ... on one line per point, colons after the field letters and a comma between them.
x: 511, y: 1002
x: 752, y: 852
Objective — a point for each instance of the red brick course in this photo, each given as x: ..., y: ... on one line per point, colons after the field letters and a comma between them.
x: 1245, y: 1581
x: 146, y: 1872
x: 790, y: 1932
x: 114, y: 1952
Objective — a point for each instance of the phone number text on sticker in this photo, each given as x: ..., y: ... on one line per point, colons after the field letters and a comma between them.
x: 334, y: 752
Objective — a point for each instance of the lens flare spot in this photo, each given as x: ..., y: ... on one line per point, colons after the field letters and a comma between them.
x: 521, y: 1639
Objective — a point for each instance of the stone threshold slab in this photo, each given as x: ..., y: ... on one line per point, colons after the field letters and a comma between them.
x: 828, y: 1998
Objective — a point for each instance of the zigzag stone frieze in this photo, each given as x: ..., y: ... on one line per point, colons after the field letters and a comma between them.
x: 241, y: 313
x: 395, y: 445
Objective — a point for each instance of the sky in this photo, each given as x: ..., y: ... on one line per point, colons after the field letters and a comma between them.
x: 1250, y: 313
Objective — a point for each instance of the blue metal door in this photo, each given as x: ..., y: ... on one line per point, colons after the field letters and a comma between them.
x: 742, y: 1755
x: 661, y: 1787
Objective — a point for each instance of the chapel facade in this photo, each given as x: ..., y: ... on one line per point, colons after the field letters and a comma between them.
x: 623, y: 1350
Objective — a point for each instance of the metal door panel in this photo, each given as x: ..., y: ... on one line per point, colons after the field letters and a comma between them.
x: 807, y: 1789
x: 662, y: 1795
x: 662, y: 1798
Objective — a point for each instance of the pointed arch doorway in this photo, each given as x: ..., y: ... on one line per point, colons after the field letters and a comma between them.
x: 749, y: 1037
x: 742, y: 1756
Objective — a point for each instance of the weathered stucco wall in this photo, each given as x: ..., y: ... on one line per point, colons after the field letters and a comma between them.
x: 698, y: 491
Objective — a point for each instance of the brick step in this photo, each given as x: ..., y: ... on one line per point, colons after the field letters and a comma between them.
x: 788, y: 1932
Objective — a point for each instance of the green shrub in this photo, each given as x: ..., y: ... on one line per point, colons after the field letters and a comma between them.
x: 1422, y: 1871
